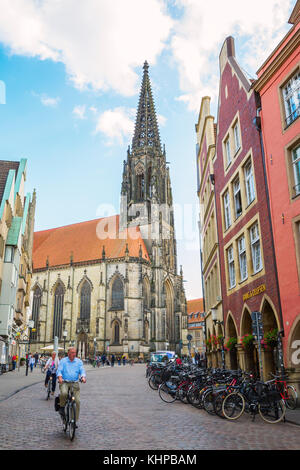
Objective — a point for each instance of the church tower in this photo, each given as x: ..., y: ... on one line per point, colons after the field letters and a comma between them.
x: 147, y: 203
x: 146, y: 195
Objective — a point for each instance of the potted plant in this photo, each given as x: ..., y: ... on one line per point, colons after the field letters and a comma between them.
x: 22, y: 361
x: 247, y: 341
x: 215, y: 341
x: 271, y: 338
x: 208, y: 344
x: 230, y: 344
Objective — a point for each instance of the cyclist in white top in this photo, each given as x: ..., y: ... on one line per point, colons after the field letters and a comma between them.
x: 51, y: 368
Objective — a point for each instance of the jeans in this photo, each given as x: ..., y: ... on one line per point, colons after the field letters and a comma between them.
x: 53, y: 379
x: 63, y: 388
x: 31, y: 367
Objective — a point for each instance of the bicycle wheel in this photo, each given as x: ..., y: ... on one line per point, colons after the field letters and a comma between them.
x: 272, y: 412
x: 218, y: 404
x: 154, y: 381
x: 291, y: 401
x: 233, y: 406
x: 182, y: 394
x: 167, y: 392
x: 72, y: 420
x: 193, y: 396
x: 208, y: 402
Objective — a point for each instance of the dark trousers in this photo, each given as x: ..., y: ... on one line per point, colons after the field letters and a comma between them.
x: 53, y: 379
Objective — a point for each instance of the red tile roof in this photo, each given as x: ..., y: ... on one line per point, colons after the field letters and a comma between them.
x: 85, y: 242
x: 195, y: 307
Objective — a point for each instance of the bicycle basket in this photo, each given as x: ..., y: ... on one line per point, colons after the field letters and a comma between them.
x: 56, y: 404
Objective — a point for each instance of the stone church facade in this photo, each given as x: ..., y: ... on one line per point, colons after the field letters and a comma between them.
x: 112, y: 284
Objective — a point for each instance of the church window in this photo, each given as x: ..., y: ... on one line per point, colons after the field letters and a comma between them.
x: 116, y: 333
x: 85, y: 301
x: 117, y: 299
x: 58, y: 311
x: 37, y: 296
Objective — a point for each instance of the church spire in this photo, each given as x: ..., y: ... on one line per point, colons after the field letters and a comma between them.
x: 146, y: 134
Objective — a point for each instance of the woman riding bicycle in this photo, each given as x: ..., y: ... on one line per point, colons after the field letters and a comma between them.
x: 51, y: 368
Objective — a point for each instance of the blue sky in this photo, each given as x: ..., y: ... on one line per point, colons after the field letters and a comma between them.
x: 71, y: 94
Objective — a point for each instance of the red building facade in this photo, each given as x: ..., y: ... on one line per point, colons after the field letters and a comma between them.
x: 279, y: 87
x: 247, y: 262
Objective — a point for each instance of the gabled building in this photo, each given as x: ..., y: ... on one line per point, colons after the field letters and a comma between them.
x: 247, y: 257
x: 210, y: 262
x: 278, y: 121
x: 16, y: 234
x: 196, y: 317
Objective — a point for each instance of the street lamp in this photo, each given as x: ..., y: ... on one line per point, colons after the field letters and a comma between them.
x: 65, y: 334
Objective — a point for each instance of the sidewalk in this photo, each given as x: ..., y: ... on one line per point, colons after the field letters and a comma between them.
x: 293, y: 416
x: 14, y: 381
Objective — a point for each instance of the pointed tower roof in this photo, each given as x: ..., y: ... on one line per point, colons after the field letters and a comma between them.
x: 146, y: 132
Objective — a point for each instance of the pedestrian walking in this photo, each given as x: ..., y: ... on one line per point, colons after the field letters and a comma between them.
x: 103, y: 359
x: 124, y: 360
x: 119, y: 360
x: 14, y: 362
x: 112, y: 360
x: 31, y: 362
x: 36, y: 359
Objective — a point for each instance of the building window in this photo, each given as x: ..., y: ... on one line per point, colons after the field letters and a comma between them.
x: 37, y: 297
x: 9, y: 254
x: 242, y: 259
x: 237, y: 140
x: 117, y: 298
x: 296, y: 169
x: 249, y: 179
x: 237, y: 198
x: 116, y: 333
x: 231, y: 267
x: 255, y: 249
x: 227, y: 213
x: 85, y: 301
x: 58, y: 311
x: 291, y: 98
x: 227, y: 151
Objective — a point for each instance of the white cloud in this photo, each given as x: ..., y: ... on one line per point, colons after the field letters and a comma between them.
x: 116, y: 124
x: 47, y: 100
x: 79, y: 112
x: 199, y: 34
x: 100, y: 42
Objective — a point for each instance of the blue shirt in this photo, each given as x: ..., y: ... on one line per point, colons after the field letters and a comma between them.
x: 70, y: 370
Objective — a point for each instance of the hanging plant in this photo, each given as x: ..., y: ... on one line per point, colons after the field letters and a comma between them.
x: 247, y: 341
x: 230, y: 344
x: 265, y: 345
x: 215, y: 341
x: 271, y: 338
x: 208, y: 344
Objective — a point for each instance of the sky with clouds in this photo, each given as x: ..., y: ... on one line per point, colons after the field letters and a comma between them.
x: 72, y: 71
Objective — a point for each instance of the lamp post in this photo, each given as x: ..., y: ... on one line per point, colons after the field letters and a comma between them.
x: 95, y: 351
x: 203, y: 324
x: 214, y: 315
x: 65, y: 334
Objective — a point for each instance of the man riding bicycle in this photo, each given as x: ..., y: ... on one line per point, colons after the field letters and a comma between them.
x: 69, y: 371
x: 51, y: 368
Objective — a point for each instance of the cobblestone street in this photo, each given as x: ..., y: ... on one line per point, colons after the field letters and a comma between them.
x: 120, y: 411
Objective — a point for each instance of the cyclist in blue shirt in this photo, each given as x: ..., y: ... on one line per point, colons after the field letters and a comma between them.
x: 69, y: 371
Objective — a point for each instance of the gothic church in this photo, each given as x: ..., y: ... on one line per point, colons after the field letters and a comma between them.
x: 112, y: 284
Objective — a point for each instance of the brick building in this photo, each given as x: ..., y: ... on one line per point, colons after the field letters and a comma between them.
x: 248, y: 271
x: 279, y: 120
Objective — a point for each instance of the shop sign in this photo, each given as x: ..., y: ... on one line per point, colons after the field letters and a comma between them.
x: 254, y: 292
